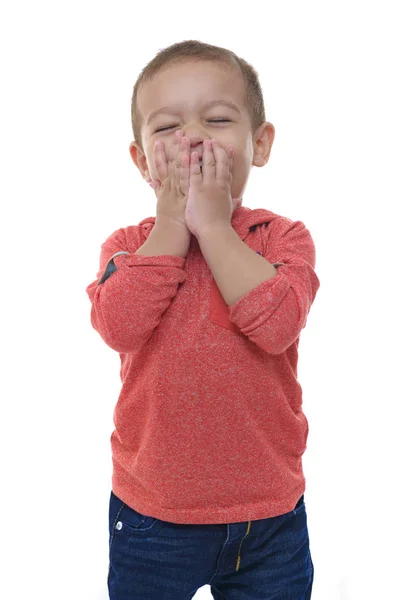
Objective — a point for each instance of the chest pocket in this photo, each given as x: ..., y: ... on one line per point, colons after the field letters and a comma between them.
x: 219, y: 312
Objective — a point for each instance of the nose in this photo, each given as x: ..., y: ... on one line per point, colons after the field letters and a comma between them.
x: 196, y: 141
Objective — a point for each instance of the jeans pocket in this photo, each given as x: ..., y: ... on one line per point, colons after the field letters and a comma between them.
x: 123, y: 517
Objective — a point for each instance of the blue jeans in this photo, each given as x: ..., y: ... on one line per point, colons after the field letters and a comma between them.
x: 152, y: 559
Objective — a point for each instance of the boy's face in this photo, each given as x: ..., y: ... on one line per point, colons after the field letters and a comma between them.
x: 185, y: 89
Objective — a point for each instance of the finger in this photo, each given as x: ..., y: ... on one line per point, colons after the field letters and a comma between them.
x: 155, y: 184
x: 230, y: 151
x: 195, y: 173
x: 184, y: 171
x: 209, y: 162
x: 231, y: 155
x: 173, y: 162
x: 175, y: 146
x: 160, y: 160
x: 222, y: 161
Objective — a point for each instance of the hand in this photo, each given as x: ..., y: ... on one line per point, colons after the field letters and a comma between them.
x: 172, y: 185
x: 209, y: 198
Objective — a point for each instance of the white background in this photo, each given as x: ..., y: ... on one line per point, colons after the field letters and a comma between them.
x: 330, y: 78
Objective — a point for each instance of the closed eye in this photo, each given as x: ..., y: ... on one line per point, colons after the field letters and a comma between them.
x: 210, y: 120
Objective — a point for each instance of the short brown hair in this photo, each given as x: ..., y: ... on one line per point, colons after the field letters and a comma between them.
x: 197, y: 51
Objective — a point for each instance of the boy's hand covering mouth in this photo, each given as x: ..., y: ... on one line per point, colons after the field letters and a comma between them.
x: 209, y: 198
x: 172, y: 185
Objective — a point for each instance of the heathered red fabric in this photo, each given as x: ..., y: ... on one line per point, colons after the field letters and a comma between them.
x: 209, y: 426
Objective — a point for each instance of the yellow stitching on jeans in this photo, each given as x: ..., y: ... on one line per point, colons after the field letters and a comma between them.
x: 238, y: 558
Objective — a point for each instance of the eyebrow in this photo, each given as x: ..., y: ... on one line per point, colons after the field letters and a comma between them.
x: 167, y: 109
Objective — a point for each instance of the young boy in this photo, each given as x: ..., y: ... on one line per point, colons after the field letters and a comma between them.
x: 205, y: 305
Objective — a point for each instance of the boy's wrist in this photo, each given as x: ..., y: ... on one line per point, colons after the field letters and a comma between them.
x: 164, y: 221
x: 166, y: 238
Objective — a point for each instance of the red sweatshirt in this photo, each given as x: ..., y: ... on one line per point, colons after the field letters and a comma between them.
x: 209, y: 426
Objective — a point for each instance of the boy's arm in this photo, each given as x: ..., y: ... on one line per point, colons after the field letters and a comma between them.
x: 166, y: 237
x: 271, y: 310
x: 128, y: 300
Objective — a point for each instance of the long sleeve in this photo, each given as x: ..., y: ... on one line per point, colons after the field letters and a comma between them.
x: 209, y: 393
x: 273, y: 314
x: 131, y: 292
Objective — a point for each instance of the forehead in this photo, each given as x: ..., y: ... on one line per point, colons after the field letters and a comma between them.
x: 190, y: 86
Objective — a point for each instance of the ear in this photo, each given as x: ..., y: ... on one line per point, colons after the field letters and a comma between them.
x: 140, y: 160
